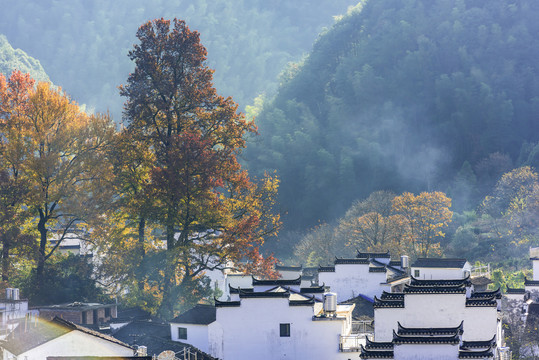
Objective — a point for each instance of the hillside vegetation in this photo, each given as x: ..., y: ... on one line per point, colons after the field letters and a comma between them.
x: 404, y: 96
x: 84, y: 44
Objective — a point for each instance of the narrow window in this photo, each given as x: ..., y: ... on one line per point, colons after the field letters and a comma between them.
x: 416, y: 273
x: 182, y: 333
x: 284, y: 330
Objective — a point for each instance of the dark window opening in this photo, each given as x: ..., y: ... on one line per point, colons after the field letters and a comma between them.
x: 284, y: 330
x: 182, y: 333
x: 107, y: 312
x: 416, y: 273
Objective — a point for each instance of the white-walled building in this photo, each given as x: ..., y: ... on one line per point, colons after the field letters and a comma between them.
x: 43, y: 339
x: 440, y: 268
x: 12, y: 308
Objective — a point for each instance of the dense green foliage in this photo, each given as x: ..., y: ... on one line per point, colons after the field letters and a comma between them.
x: 16, y: 59
x: 83, y: 44
x: 405, y: 96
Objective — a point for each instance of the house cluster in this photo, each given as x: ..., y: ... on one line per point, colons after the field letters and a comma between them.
x: 368, y: 307
x: 432, y: 309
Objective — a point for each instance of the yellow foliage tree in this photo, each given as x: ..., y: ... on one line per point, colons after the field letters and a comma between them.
x: 425, y: 215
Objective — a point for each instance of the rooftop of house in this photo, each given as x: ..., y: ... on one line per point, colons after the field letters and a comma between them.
x: 363, y: 307
x: 132, y: 314
x: 515, y: 291
x: 373, y: 255
x: 76, y: 306
x: 200, y: 314
x: 449, y: 263
x: 530, y: 282
x: 263, y: 282
x: 42, y: 331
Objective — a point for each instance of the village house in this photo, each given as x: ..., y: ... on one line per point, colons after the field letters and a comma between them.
x: 42, y: 339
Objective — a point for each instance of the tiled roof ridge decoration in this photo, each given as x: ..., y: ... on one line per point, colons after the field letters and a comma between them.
x: 355, y: 261
x: 306, y: 302
x: 400, y: 340
x: 411, y: 289
x: 397, y: 278
x: 487, y: 344
x: 395, y: 262
x: 457, y: 263
x: 261, y: 282
x: 372, y: 345
x: 391, y: 296
x: 326, y: 269
x: 515, y: 291
x: 226, y: 303
x: 372, y: 255
x: 476, y: 354
x: 377, y: 263
x: 288, y: 267
x: 530, y: 282
x: 236, y: 290
x: 264, y: 294
x: 481, y: 302
x: 375, y: 354
x: 450, y: 331
x: 395, y: 270
x: 439, y: 282
x: 379, y: 303
x: 377, y: 269
x: 487, y: 294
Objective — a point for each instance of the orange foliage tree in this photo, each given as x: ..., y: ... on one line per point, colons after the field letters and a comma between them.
x: 209, y: 208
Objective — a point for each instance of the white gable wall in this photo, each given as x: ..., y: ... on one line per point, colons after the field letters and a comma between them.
x: 350, y: 280
x: 197, y: 335
x: 386, y: 320
x: 75, y: 343
x: 252, y: 331
x: 535, y: 269
x: 425, y: 352
x: 480, y: 323
x: 440, y: 273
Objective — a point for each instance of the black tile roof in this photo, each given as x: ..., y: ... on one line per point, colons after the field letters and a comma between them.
x: 487, y: 294
x: 391, y: 296
x: 236, y: 290
x: 46, y: 330
x: 133, y: 332
x: 448, y: 331
x: 515, y: 291
x: 440, y: 282
x: 373, y: 269
x: 288, y: 268
x: 401, y: 340
x: 481, y: 302
x: 487, y: 344
x: 439, y: 263
x: 276, y: 282
x: 373, y: 345
x: 306, y: 302
x: 410, y: 289
x: 227, y: 303
x: 370, y: 354
x: 339, y: 261
x: 530, y: 282
x: 264, y: 294
x: 200, y: 314
x: 476, y: 354
x: 76, y: 306
x: 326, y: 269
x: 379, y: 303
x: 395, y: 263
x: 313, y: 289
x: 373, y: 255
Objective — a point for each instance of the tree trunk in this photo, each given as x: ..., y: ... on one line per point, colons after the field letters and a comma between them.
x: 5, y: 258
x: 167, y: 305
x: 140, y: 272
x: 42, y: 248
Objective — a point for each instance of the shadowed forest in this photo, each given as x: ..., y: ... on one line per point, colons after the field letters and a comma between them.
x: 410, y: 127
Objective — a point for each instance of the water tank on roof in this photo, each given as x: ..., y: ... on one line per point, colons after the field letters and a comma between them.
x: 15, y: 294
x: 405, y: 261
x: 330, y: 302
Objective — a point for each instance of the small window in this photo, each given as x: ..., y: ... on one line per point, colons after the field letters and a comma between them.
x: 416, y: 273
x: 107, y: 312
x: 182, y: 333
x: 284, y: 330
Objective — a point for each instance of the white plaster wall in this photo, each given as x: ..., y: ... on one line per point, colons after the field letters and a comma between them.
x: 350, y: 280
x: 289, y: 274
x: 535, y: 269
x: 426, y: 352
x: 243, y: 281
x: 438, y: 273
x: 480, y: 323
x: 252, y: 331
x: 197, y: 335
x: 76, y: 343
x: 433, y: 310
x: 215, y: 340
x: 385, y: 320
x: 13, y: 310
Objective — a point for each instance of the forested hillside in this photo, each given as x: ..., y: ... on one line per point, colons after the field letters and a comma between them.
x: 405, y: 96
x: 84, y: 44
x: 11, y: 59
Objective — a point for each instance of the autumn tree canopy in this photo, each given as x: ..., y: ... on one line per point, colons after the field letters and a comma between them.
x: 210, y: 210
